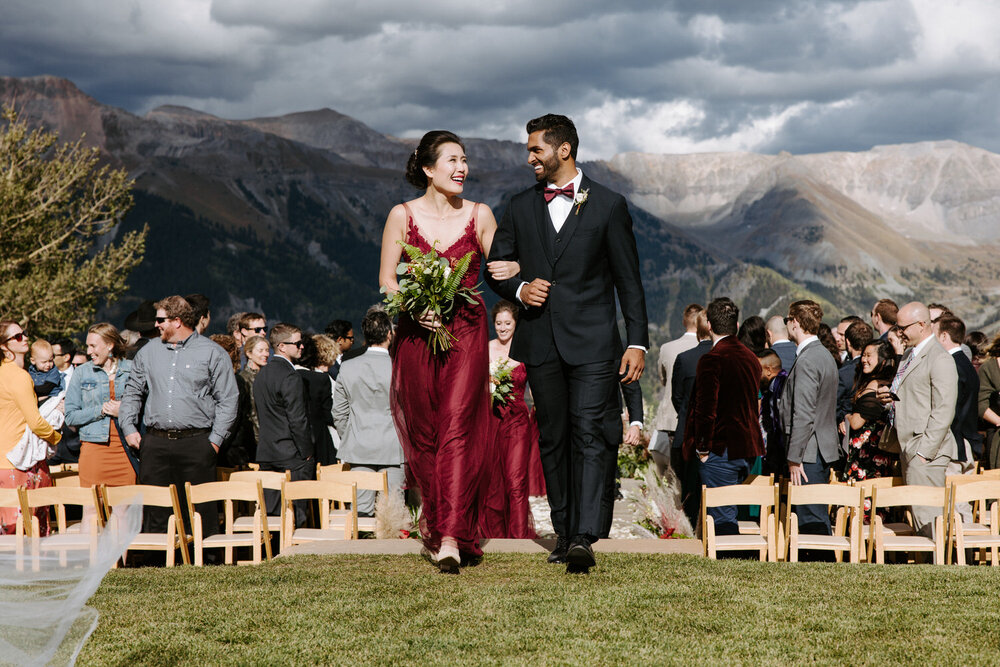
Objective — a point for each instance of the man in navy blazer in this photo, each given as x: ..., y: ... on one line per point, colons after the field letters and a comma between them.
x: 722, y: 427
x: 681, y: 387
x: 574, y: 242
x: 965, y: 425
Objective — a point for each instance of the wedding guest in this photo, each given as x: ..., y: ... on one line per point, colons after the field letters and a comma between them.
x: 825, y: 335
x: 838, y: 335
x: 342, y: 333
x: 191, y: 401
x: 965, y: 425
x: 68, y: 450
x: 883, y: 315
x: 926, y: 384
x: 665, y: 422
x: 19, y: 411
x: 868, y: 417
x: 777, y: 340
x: 895, y: 339
x: 48, y: 381
x: 256, y: 351
x: 989, y: 403
x: 809, y: 411
x: 286, y: 441
x: 723, y: 427
x: 239, y: 447
x: 93, y: 401
x: 857, y: 335
x: 362, y: 412
x: 326, y: 356
x: 506, y: 512
x: 233, y: 327
x: 977, y: 342
x: 753, y: 333
x: 143, y: 320
x: 200, y: 304
x: 319, y: 400
x: 772, y: 381
x: 250, y: 324
x: 63, y: 350
x: 682, y: 386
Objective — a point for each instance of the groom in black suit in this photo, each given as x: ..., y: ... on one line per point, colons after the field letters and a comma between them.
x: 573, y: 239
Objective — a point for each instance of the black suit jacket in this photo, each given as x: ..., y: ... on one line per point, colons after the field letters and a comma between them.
x: 682, y: 382
x: 965, y: 426
x: 594, y: 258
x: 844, y: 387
x: 319, y: 408
x: 279, y: 394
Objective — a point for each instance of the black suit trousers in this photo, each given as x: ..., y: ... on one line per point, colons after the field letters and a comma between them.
x: 571, y: 404
x: 300, y: 470
x: 164, y: 462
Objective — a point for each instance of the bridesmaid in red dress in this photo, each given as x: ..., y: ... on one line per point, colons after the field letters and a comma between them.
x: 440, y: 402
x: 507, y: 513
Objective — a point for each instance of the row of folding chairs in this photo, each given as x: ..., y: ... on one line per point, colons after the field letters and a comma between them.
x: 780, y: 539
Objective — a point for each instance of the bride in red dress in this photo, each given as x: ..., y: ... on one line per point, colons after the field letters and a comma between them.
x: 506, y: 512
x: 440, y: 402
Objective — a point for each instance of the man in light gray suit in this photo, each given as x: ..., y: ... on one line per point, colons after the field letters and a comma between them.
x: 808, y: 407
x: 361, y: 412
x: 920, y: 421
x: 665, y: 422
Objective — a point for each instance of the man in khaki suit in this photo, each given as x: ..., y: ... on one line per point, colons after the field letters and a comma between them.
x: 920, y: 422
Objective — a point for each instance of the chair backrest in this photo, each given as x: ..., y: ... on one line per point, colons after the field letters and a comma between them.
x: 215, y: 491
x: 985, y: 475
x: 365, y: 479
x: 897, y: 496
x: 825, y: 494
x: 269, y: 479
x: 65, y: 478
x: 759, y: 480
x: 739, y: 494
x: 149, y: 495
x: 979, y: 490
x: 331, y: 468
x: 14, y: 498
x: 59, y: 497
x: 320, y: 490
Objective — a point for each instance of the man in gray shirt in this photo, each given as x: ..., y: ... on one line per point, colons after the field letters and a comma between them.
x: 361, y: 412
x: 190, y: 394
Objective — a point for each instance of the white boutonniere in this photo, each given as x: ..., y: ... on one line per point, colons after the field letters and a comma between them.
x: 580, y: 199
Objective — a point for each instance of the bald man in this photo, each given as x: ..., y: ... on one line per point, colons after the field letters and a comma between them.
x: 927, y: 386
x: 777, y: 340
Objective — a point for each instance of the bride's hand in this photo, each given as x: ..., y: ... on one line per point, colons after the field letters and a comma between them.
x: 503, y: 270
x: 429, y: 321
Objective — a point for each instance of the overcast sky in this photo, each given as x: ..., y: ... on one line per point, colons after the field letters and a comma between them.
x: 689, y: 76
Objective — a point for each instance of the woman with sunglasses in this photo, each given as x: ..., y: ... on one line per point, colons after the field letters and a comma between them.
x: 19, y: 411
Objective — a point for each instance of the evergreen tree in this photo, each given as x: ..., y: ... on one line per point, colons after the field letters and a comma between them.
x: 59, y: 207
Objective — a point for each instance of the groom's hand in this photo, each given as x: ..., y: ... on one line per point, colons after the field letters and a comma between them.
x: 633, y: 361
x: 535, y: 293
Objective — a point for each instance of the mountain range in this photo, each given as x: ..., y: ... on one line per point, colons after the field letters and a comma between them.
x: 285, y: 214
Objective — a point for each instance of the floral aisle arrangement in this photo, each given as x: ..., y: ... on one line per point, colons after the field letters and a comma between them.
x: 430, y: 283
x: 656, y: 507
x: 501, y: 381
x: 393, y: 518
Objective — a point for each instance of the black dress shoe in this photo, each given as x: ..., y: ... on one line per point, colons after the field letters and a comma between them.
x: 558, y: 554
x: 577, y: 569
x: 580, y: 553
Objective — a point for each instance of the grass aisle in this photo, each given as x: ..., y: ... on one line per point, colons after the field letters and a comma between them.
x: 516, y: 609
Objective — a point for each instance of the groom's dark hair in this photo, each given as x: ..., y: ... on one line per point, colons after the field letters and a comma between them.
x: 723, y: 316
x: 558, y: 130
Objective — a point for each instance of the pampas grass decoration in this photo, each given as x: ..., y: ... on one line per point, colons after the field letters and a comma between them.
x: 392, y: 518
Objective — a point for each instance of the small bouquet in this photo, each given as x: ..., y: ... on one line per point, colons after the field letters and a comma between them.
x: 430, y: 284
x: 501, y: 381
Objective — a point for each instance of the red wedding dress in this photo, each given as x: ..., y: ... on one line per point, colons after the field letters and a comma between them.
x: 506, y: 512
x: 440, y: 403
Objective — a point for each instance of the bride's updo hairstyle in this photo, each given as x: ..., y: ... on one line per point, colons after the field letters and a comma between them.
x: 427, y: 154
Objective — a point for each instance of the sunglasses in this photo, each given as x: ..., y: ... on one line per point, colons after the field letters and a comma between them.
x: 161, y: 320
x: 255, y: 329
x: 16, y: 337
x: 297, y: 343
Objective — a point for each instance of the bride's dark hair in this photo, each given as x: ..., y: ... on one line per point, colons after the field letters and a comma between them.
x: 427, y: 154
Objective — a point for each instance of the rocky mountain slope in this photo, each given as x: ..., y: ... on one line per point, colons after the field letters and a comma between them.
x: 285, y: 214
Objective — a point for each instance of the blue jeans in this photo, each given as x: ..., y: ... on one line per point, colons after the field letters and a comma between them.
x: 719, y: 470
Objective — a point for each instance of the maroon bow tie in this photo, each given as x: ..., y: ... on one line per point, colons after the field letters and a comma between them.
x: 552, y: 193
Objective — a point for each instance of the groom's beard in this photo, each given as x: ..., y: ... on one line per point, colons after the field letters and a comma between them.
x: 549, y: 167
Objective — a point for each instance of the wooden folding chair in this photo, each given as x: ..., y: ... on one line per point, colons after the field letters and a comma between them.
x: 65, y: 477
x: 229, y: 492
x: 326, y: 492
x: 748, y: 527
x: 762, y: 539
x: 975, y: 527
x: 64, y: 538
x: 331, y: 468
x: 365, y: 479
x: 12, y: 499
x: 848, y: 500
x: 896, y: 540
x: 152, y: 496
x: 985, y: 492
x: 269, y: 479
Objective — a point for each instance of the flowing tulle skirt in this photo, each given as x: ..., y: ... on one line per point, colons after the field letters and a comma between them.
x: 440, y: 403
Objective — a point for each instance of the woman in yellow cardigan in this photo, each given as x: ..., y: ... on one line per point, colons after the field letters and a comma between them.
x: 19, y: 409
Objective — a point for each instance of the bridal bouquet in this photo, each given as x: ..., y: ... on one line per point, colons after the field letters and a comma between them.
x: 501, y: 380
x: 430, y: 284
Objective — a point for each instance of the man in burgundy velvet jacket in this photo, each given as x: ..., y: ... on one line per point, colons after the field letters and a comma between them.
x: 722, y: 429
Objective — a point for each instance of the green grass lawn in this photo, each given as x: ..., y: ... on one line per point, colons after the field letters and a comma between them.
x: 516, y: 609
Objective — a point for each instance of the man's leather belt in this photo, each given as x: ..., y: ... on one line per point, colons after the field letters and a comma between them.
x: 178, y: 434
